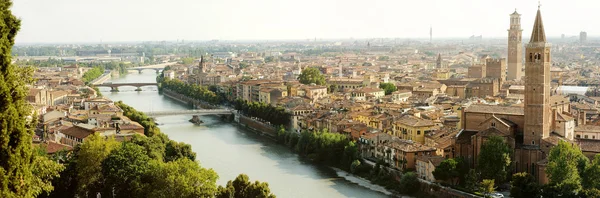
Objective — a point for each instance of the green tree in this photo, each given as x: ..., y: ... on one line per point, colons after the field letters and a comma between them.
x: 241, y: 187
x: 383, y: 58
x: 19, y: 176
x: 388, y: 88
x: 354, y: 166
x: 269, y: 59
x: 123, y: 170
x: 44, y: 171
x: 187, y: 60
x: 562, y: 169
x: 176, y: 150
x: 487, y: 187
x: 494, y: 159
x: 311, y: 75
x: 472, y: 180
x: 451, y: 169
x: 181, y: 178
x: 591, y: 175
x: 591, y: 193
x: 155, y: 147
x: 523, y: 185
x: 409, y: 183
x: 89, y: 159
x: 92, y: 74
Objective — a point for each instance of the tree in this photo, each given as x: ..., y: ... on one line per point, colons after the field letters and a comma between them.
x: 175, y: 150
x: 181, y: 178
x: 409, y: 183
x: 44, y: 171
x: 494, y: 159
x: 154, y: 145
x: 388, y: 88
x: 187, y: 60
x: 18, y: 176
x: 562, y: 170
x: 487, y: 186
x: 451, y: 169
x: 523, y: 185
x: 311, y: 75
x: 354, y: 166
x: 241, y: 187
x: 472, y: 180
x: 591, y: 176
x: 89, y: 160
x: 123, y: 170
x: 591, y: 193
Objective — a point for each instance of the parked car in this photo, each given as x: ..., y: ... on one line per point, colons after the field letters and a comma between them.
x: 496, y: 195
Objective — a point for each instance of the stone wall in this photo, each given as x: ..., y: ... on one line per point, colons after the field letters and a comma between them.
x: 436, y: 190
x: 257, y: 126
x: 197, y: 104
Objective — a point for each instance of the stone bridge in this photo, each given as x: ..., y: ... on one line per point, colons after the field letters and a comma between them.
x: 140, y: 69
x: 114, y: 87
x: 157, y: 67
x: 191, y: 112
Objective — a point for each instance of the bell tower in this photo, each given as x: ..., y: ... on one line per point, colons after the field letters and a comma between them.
x: 515, y: 47
x: 537, y: 85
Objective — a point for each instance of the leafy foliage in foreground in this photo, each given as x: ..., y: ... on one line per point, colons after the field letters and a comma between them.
x: 23, y: 172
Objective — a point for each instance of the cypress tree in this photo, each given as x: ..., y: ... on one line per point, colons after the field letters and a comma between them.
x: 16, y: 154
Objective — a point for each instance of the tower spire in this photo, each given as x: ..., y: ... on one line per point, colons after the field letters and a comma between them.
x: 538, y: 34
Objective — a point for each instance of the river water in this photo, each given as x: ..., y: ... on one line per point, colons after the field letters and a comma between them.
x: 231, y: 150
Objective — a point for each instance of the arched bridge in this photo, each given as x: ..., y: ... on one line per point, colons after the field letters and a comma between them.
x: 157, y: 67
x: 140, y: 69
x: 191, y: 112
x: 114, y: 86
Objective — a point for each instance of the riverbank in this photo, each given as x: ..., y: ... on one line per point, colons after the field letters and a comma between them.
x: 264, y: 129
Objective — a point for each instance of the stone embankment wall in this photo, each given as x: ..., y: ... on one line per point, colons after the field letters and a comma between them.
x: 197, y: 104
x: 256, y: 125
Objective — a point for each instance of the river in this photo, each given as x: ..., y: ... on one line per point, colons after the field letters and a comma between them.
x: 231, y: 150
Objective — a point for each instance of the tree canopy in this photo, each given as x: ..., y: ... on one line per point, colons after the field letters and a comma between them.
x: 494, y: 159
x: 562, y: 168
x: 23, y: 173
x: 191, y: 90
x: 451, y: 169
x: 311, y: 75
x: 241, y: 187
x: 523, y: 185
x: 409, y: 183
x: 388, y: 88
x: 92, y: 74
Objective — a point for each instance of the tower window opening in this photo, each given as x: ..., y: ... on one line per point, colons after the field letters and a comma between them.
x: 530, y: 57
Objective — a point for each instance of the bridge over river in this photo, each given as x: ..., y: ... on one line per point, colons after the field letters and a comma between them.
x: 190, y: 112
x: 114, y: 87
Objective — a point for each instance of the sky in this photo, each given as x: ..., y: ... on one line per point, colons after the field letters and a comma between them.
x: 72, y: 21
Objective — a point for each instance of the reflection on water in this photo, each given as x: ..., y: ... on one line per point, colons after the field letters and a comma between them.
x: 229, y: 150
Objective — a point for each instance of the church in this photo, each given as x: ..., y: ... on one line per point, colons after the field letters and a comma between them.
x: 532, y: 129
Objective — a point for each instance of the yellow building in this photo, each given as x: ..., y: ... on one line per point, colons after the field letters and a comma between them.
x: 412, y: 128
x: 442, y: 74
x: 271, y: 95
x: 378, y: 121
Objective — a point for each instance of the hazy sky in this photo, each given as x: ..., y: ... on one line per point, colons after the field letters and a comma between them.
x: 144, y: 20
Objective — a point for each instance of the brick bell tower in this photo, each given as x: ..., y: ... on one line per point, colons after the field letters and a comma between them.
x: 515, y: 47
x: 537, y: 85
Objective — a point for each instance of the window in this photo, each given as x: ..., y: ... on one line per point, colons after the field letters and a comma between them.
x: 585, y: 136
x: 532, y: 142
x: 578, y: 136
x: 418, y: 132
x: 493, y: 124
